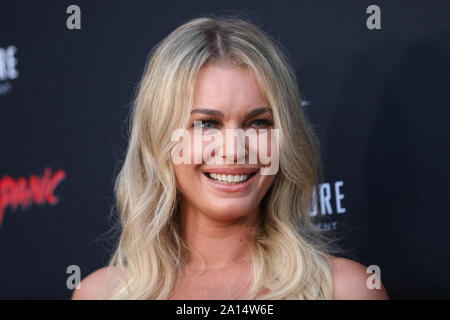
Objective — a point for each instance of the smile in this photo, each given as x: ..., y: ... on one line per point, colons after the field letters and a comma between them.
x: 229, y: 178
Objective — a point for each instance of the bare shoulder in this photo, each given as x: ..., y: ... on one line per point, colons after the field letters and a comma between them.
x: 96, y: 285
x: 350, y: 281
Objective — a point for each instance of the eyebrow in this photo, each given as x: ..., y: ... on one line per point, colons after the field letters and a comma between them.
x: 212, y: 112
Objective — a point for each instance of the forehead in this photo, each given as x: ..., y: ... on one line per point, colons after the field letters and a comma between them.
x: 228, y: 88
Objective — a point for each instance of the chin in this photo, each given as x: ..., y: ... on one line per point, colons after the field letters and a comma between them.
x: 230, y: 209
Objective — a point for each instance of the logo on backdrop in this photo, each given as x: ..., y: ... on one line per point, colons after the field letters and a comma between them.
x: 8, y: 69
x: 24, y: 192
x: 330, y: 202
x: 373, y: 22
x: 73, y: 21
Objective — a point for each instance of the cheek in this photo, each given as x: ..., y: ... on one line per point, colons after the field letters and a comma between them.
x: 185, y: 176
x: 195, y: 146
x: 260, y: 148
x: 266, y: 182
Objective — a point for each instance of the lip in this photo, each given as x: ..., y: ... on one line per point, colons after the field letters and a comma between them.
x: 231, y: 188
x: 231, y: 170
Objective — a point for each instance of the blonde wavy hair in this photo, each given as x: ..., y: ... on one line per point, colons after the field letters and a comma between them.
x: 290, y: 256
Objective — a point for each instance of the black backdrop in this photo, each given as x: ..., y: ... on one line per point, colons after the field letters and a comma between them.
x: 379, y: 101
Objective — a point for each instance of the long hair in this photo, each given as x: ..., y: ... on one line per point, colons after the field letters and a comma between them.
x: 290, y: 257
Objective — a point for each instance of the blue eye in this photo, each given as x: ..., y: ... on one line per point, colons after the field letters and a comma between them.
x: 260, y: 123
x: 205, y: 124
x: 214, y: 124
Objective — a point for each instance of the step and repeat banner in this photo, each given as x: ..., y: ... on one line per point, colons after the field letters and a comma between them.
x: 375, y: 77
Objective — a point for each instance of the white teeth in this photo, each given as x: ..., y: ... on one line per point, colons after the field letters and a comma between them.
x: 228, y: 179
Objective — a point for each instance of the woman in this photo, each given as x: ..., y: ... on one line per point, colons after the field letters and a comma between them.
x: 211, y: 230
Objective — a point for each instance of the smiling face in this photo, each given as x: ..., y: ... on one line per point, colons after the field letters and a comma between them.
x: 226, y: 98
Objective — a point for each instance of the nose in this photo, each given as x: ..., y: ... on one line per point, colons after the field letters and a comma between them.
x: 234, y: 148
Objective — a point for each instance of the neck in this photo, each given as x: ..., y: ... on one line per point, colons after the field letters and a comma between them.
x: 219, y: 243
